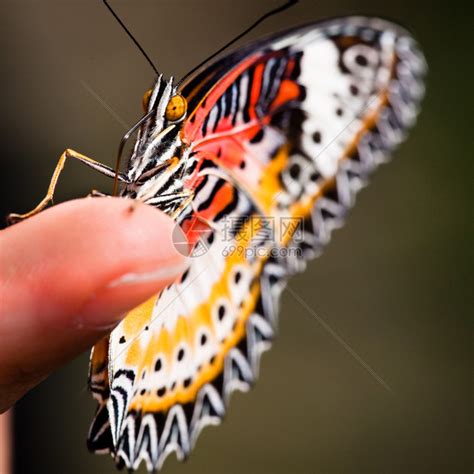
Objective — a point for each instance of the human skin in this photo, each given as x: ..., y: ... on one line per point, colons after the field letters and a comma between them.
x: 5, y: 443
x: 60, y: 282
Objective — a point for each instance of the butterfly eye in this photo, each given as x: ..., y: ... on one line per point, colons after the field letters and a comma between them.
x: 146, y: 99
x: 176, y: 108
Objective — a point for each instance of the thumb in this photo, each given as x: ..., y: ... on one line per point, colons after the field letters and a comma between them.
x: 69, y: 274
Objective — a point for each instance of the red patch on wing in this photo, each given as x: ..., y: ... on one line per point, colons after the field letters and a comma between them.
x: 193, y: 128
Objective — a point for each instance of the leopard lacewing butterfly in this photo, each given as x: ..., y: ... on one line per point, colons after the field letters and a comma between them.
x: 256, y: 153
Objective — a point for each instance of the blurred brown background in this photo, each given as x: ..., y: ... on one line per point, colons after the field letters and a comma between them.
x: 393, y: 284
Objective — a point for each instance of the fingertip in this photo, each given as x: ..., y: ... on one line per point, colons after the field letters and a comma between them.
x: 70, y: 273
x: 91, y: 259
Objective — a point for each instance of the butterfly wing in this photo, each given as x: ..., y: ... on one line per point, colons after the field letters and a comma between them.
x: 282, y: 134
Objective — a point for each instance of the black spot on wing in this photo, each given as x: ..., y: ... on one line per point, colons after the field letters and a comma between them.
x: 257, y: 137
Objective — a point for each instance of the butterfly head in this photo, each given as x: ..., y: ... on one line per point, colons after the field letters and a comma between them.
x: 173, y: 106
x: 175, y: 109
x: 169, y: 105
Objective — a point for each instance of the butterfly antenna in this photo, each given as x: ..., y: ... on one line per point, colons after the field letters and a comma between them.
x: 137, y: 44
x: 279, y: 9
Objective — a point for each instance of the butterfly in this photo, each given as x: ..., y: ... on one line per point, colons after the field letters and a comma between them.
x: 258, y: 156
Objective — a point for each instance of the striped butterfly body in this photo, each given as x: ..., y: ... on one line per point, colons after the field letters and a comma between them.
x: 258, y: 157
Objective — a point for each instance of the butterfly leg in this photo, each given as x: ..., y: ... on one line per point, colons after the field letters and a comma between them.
x: 185, y: 198
x: 68, y: 153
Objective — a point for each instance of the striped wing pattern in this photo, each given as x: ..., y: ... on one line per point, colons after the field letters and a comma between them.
x: 282, y: 135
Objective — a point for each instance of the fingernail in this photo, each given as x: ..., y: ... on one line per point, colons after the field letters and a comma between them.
x: 159, y: 274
